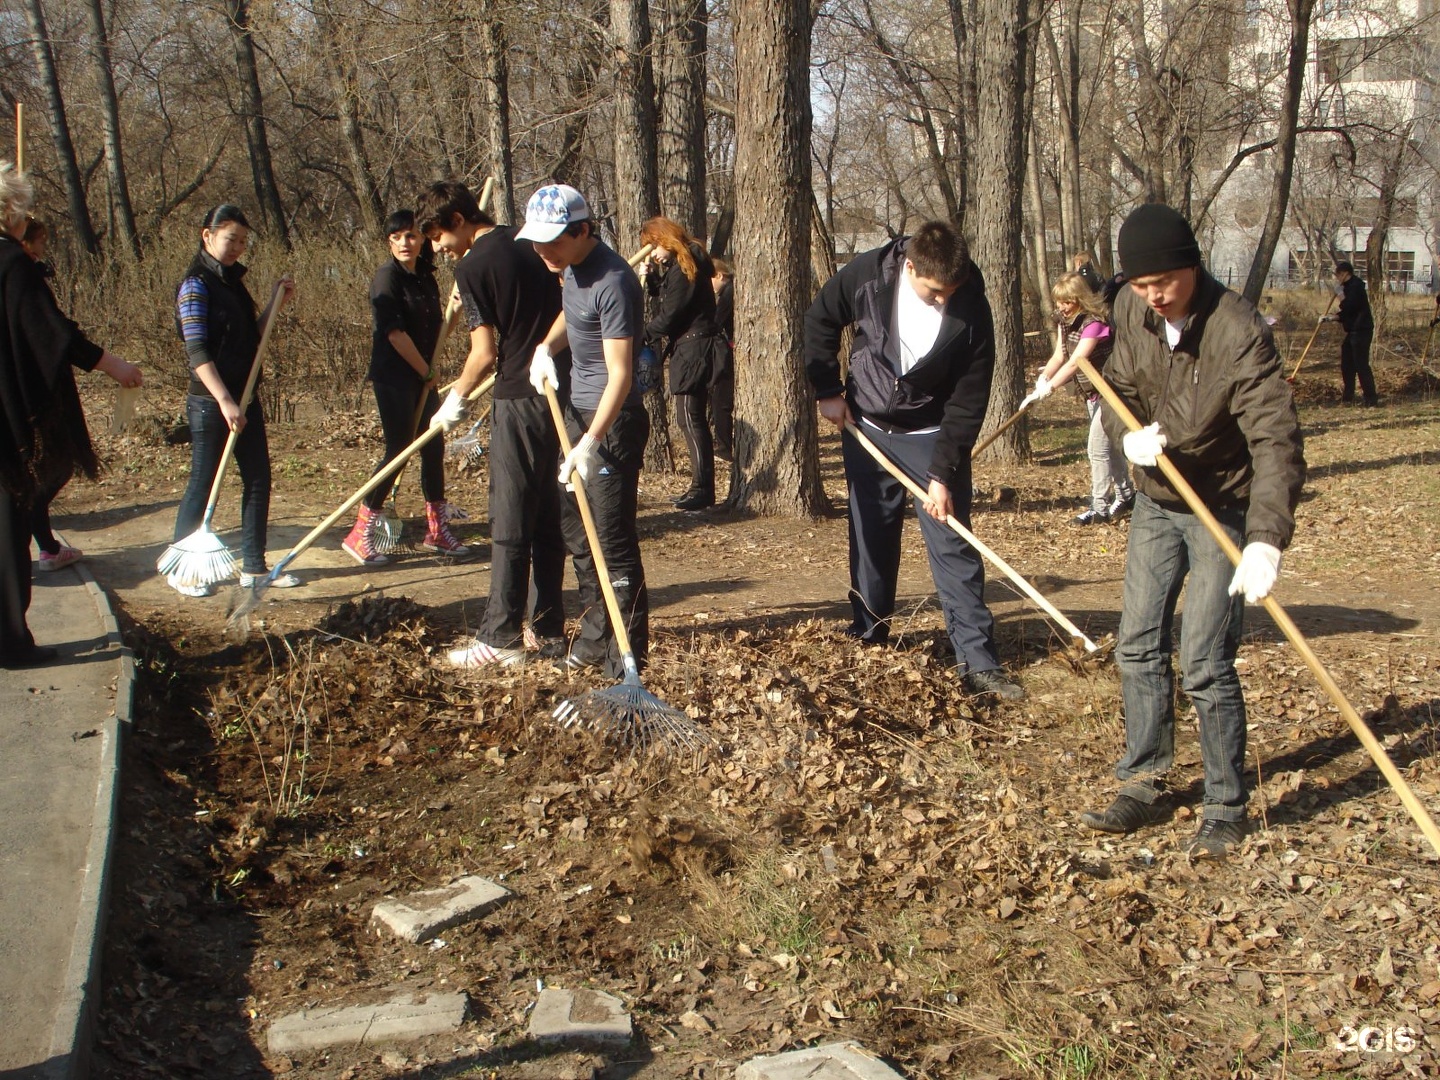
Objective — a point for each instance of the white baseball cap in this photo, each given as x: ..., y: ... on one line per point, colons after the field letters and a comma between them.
x: 550, y: 210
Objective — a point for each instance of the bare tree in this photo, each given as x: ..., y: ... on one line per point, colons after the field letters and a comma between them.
x: 637, y: 194
x: 682, y: 39
x: 252, y: 104
x: 345, y: 80
x: 60, y: 127
x: 775, y: 438
x: 110, y: 111
x: 495, y: 83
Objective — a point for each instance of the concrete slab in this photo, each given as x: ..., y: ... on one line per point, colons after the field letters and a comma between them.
x: 579, y: 1016
x: 420, y: 916
x: 60, y: 731
x: 364, y: 1025
x: 832, y: 1061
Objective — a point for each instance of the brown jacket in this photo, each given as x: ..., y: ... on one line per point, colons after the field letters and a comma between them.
x: 1221, y: 402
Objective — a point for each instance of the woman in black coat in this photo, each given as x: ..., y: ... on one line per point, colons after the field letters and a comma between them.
x: 43, y: 437
x: 685, y: 318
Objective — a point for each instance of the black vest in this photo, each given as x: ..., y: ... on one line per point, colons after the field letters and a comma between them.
x: 232, y: 332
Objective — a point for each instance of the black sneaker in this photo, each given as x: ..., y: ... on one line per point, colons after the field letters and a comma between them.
x: 695, y: 499
x: 993, y: 682
x: 1125, y: 815
x: 1121, y: 507
x: 1091, y: 517
x: 1217, y: 838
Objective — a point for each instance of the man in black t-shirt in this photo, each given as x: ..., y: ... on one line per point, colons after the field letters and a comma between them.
x: 511, y: 301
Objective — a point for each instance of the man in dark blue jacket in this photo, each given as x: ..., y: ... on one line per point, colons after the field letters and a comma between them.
x: 1359, y: 325
x: 918, y: 386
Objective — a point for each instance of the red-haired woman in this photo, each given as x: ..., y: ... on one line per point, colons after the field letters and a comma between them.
x: 685, y: 317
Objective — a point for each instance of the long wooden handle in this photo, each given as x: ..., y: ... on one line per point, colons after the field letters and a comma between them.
x: 1272, y: 607
x: 447, y: 327
x: 641, y: 255
x: 277, y: 301
x: 980, y: 449
x: 1313, y: 335
x: 969, y: 537
x: 612, y: 605
x: 391, y: 467
x: 1425, y: 356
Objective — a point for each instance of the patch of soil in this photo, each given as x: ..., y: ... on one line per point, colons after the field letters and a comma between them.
x: 863, y: 853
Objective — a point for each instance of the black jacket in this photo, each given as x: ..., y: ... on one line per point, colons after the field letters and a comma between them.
x: 232, y: 331
x: 1354, y: 314
x: 406, y: 300
x: 949, y: 387
x: 43, y: 438
x: 685, y: 317
x: 1222, y: 404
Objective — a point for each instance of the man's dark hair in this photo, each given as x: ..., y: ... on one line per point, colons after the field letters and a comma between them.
x: 939, y: 253
x: 582, y: 228
x: 1345, y: 267
x: 441, y: 203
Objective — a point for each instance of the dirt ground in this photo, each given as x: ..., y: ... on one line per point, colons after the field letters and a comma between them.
x: 863, y: 853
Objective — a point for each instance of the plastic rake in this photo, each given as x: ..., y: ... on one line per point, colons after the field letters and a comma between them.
x: 628, y: 714
x: 1281, y: 618
x: 237, y: 623
x: 202, y: 557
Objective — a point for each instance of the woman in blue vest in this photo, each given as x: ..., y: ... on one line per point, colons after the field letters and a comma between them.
x: 215, y: 315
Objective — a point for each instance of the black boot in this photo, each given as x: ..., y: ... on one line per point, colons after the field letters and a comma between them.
x: 696, y: 499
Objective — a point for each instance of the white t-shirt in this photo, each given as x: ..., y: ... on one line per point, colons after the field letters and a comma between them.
x: 914, y: 323
x: 1173, y: 327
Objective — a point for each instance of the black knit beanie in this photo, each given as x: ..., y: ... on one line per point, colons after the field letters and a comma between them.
x: 1155, y: 239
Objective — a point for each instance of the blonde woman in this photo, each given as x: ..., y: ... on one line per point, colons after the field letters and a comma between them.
x: 1085, y: 331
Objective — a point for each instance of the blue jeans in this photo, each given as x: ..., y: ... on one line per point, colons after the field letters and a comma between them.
x: 1109, y: 472
x: 1165, y: 547
x: 208, y: 434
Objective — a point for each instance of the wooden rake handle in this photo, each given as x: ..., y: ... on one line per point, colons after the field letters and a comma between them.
x: 276, y: 303
x: 452, y: 319
x: 612, y: 605
x: 1272, y: 606
x: 1029, y: 400
x: 969, y: 537
x: 1313, y: 335
x: 374, y: 482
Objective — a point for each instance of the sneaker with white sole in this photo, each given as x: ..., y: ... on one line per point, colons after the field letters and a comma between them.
x: 478, y: 654
x: 66, y: 556
x: 189, y: 588
x: 284, y: 581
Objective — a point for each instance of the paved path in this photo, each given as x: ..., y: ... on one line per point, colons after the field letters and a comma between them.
x: 59, y: 760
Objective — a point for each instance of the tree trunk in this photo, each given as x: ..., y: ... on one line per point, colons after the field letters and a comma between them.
x: 1375, y: 244
x: 253, y: 105
x: 1000, y: 47
x: 80, y: 220
x: 1284, y: 167
x: 1065, y: 60
x: 495, y: 77
x: 964, y: 123
x: 110, y: 111
x: 776, y: 458
x: 347, y: 103
x: 683, y: 34
x: 637, y: 195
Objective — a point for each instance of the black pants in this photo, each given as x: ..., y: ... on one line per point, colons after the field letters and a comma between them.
x: 525, y: 530
x: 208, y: 435
x: 1355, y: 361
x: 40, y: 528
x: 722, y: 402
x: 877, y: 517
x: 396, y: 406
x: 614, y: 500
x: 15, y: 637
x: 690, y: 410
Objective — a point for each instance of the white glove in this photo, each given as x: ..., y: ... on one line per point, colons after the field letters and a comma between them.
x: 1042, y: 389
x: 1145, y: 446
x: 580, y: 461
x: 1256, y: 574
x: 451, y: 413
x: 542, y: 370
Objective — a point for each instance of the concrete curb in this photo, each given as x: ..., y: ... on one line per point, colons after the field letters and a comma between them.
x: 73, y: 1035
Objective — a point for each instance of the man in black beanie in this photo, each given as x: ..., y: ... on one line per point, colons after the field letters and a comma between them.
x: 1196, y: 364
x: 1359, y: 325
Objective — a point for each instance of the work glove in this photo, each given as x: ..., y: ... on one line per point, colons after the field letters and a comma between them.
x: 542, y: 370
x: 580, y: 461
x: 1145, y: 446
x: 1042, y: 389
x: 450, y: 413
x: 1256, y: 574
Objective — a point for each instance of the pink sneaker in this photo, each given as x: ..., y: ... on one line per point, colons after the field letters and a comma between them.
x: 61, y: 559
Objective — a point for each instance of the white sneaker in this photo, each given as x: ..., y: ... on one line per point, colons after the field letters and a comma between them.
x: 284, y: 581
x: 188, y: 588
x: 478, y: 654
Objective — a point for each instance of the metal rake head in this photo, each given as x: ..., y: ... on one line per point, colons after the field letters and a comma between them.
x: 389, y: 535
x: 242, y: 605
x: 634, y: 718
x: 468, y: 449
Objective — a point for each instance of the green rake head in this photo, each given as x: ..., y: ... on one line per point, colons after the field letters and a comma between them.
x: 632, y: 717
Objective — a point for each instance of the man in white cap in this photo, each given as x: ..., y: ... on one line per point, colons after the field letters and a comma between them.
x: 605, y: 417
x: 1196, y: 364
